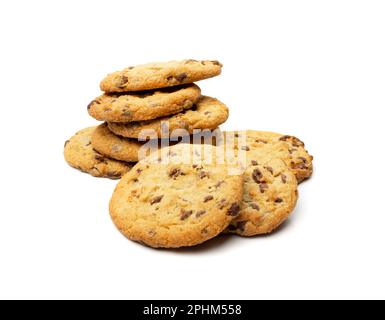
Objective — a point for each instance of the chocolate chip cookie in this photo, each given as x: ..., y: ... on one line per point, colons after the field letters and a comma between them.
x: 78, y: 153
x: 176, y: 199
x: 144, y: 105
x: 208, y: 113
x: 160, y: 75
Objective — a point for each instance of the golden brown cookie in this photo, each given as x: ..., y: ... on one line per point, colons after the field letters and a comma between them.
x: 160, y: 75
x: 144, y: 105
x: 175, y: 201
x: 78, y: 153
x: 208, y: 113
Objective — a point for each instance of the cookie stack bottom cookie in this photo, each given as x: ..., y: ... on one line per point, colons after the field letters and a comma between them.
x: 80, y: 154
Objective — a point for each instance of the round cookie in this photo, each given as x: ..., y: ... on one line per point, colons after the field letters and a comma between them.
x: 160, y: 75
x: 208, y: 113
x: 269, y: 196
x: 113, y: 146
x: 296, y: 157
x: 78, y: 153
x: 147, y: 105
x: 173, y: 201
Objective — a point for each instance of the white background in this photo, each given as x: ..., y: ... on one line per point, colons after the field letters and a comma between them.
x: 314, y: 69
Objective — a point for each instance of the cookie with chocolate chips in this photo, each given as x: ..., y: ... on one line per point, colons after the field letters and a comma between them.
x: 179, y: 196
x: 79, y: 153
x: 160, y: 75
x: 144, y: 105
x: 208, y: 113
x: 269, y: 197
x: 296, y: 156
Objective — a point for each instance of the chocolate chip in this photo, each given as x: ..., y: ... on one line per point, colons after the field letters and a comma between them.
x: 65, y: 143
x: 222, y: 204
x: 246, y: 148
x: 181, y: 77
x: 99, y: 157
x: 123, y: 81
x: 200, y: 213
x: 175, y: 172
x: 278, y: 200
x: 303, y: 159
x: 156, y: 199
x: 203, y: 174
x: 217, y: 63
x: 263, y: 187
x: 284, y: 138
x: 184, y: 214
x: 241, y: 225
x: 301, y: 166
x: 113, y: 175
x: 208, y: 198
x: 139, y: 170
x: 294, y: 141
x: 283, y: 178
x: 236, y: 135
x: 260, y: 141
x: 130, y: 68
x: 233, y: 210
x: 190, y: 61
x: 219, y: 183
x: 270, y: 169
x: 257, y: 175
x: 194, y: 166
x: 255, y: 206
x: 254, y: 162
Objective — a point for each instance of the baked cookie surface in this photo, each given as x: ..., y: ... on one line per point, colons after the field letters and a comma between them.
x: 113, y: 146
x: 172, y: 204
x: 160, y: 75
x: 269, y: 197
x: 296, y: 157
x: 144, y: 105
x: 208, y: 113
x: 79, y: 153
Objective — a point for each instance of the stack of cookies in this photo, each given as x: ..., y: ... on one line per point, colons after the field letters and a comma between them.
x: 146, y: 102
x: 183, y: 194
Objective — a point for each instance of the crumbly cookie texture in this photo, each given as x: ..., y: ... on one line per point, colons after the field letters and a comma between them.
x: 160, y: 75
x: 296, y: 157
x: 208, y: 113
x: 162, y: 202
x: 269, y: 197
x: 144, y: 105
x: 113, y: 146
x: 79, y: 153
